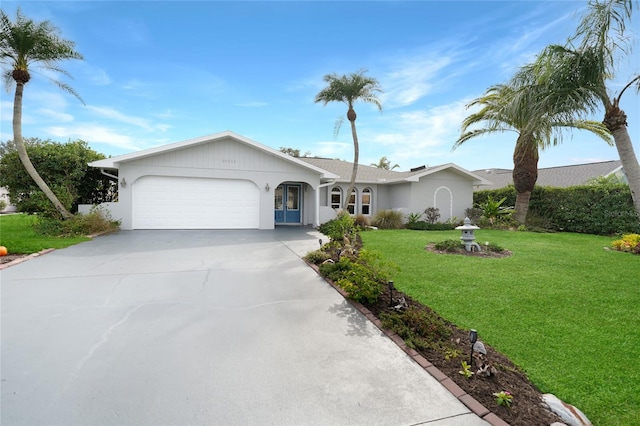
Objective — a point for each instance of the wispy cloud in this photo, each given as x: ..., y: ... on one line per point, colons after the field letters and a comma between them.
x: 110, y: 113
x: 413, y: 78
x: 332, y: 149
x: 96, y: 134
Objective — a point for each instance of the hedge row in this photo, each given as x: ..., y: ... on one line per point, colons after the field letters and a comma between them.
x: 588, y: 209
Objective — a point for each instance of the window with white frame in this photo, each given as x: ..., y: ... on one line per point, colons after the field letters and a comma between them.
x: 336, y: 198
x: 365, y: 205
x: 351, y: 207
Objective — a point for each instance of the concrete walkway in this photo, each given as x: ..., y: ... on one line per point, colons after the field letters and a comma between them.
x: 200, y: 327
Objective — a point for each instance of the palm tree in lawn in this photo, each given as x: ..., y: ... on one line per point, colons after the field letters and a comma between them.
x: 350, y: 89
x: 513, y: 107
x: 582, y: 69
x: 26, y: 43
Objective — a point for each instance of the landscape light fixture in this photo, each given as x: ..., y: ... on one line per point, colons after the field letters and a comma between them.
x: 473, y: 338
x: 266, y: 187
x: 390, y: 293
x: 123, y: 183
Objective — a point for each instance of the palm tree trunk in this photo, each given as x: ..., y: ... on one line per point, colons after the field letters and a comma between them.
x: 616, y: 121
x: 351, y: 115
x: 525, y: 174
x: 24, y: 156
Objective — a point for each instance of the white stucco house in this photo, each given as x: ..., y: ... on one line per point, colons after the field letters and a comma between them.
x: 227, y: 181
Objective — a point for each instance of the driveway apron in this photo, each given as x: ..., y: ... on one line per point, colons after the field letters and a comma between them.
x: 200, y: 327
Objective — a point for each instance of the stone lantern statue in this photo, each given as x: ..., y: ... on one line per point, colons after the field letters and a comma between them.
x: 468, y: 239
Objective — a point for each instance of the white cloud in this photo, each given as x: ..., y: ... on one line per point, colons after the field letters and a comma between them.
x: 413, y: 78
x: 332, y: 149
x: 55, y: 115
x: 94, y: 134
x: 118, y: 116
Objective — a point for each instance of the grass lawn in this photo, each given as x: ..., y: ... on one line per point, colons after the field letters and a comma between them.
x: 561, y: 307
x: 18, y: 236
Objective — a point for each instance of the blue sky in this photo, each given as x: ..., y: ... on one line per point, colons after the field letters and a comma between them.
x: 156, y: 72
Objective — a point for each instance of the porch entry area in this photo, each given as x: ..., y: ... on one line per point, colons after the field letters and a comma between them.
x: 288, y: 204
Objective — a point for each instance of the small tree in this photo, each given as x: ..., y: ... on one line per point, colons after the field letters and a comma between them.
x: 432, y: 214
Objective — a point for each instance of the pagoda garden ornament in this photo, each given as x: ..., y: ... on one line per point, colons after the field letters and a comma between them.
x: 468, y: 239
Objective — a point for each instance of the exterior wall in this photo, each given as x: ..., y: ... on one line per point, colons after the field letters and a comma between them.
x: 400, y: 197
x: 222, y: 159
x: 446, y: 190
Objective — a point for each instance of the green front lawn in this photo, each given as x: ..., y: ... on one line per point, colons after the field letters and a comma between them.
x: 18, y: 236
x: 562, y: 307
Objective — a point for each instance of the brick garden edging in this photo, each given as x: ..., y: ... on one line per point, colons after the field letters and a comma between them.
x: 25, y: 258
x: 469, y: 401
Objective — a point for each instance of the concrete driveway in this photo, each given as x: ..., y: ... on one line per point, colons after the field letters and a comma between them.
x: 200, y: 327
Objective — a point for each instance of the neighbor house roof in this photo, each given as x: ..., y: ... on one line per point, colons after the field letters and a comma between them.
x: 114, y: 162
x: 562, y: 176
x: 369, y: 174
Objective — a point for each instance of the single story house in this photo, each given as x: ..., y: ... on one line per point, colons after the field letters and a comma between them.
x: 561, y: 176
x: 227, y: 181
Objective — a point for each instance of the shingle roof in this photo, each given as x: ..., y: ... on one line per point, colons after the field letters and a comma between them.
x: 562, y: 176
x: 365, y: 173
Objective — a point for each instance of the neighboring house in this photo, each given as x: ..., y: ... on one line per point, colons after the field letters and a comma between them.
x: 4, y: 196
x: 227, y: 181
x: 563, y: 176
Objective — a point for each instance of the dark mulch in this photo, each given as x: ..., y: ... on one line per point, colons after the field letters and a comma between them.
x: 526, y: 408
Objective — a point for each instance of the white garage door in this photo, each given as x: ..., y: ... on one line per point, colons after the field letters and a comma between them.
x: 161, y: 202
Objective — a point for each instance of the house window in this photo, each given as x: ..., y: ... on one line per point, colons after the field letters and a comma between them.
x: 336, y: 198
x: 278, y: 197
x: 351, y: 207
x: 365, y: 206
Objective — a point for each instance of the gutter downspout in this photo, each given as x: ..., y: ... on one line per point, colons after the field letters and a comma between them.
x: 322, y: 185
x: 108, y: 174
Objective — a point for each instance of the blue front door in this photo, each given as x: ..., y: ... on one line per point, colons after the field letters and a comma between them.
x: 288, y: 203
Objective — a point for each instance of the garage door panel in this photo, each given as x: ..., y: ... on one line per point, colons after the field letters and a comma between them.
x: 195, y: 203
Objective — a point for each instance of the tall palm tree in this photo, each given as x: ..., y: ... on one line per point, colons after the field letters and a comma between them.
x: 350, y: 89
x: 581, y: 70
x: 26, y: 43
x: 514, y: 107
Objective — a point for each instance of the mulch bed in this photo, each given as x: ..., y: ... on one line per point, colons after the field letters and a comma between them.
x: 526, y: 409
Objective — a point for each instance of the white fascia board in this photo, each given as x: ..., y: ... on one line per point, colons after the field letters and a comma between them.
x: 114, y: 162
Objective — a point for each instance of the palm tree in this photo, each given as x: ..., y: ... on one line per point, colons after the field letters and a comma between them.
x: 581, y: 70
x: 349, y: 89
x: 24, y: 43
x: 385, y: 164
x: 515, y: 107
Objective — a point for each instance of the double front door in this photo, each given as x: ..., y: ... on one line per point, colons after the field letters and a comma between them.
x: 288, y: 203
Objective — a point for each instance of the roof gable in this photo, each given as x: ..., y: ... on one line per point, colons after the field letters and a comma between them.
x: 114, y: 162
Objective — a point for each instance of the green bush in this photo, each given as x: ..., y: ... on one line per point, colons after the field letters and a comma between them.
x: 388, y: 219
x: 337, y: 228
x: 94, y: 222
x: 364, y: 279
x: 432, y: 214
x: 449, y: 245
x: 413, y: 218
x: 425, y: 226
x: 589, y: 209
x: 317, y: 257
x: 361, y: 221
x: 420, y: 329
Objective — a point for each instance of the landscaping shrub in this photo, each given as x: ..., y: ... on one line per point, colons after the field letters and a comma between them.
x: 449, y: 245
x: 363, y: 279
x: 629, y: 243
x: 361, y: 221
x: 432, y: 214
x: 337, y: 228
x: 590, y: 209
x: 420, y: 329
x: 413, y: 218
x: 317, y: 257
x: 424, y: 226
x: 388, y: 219
x: 94, y: 222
